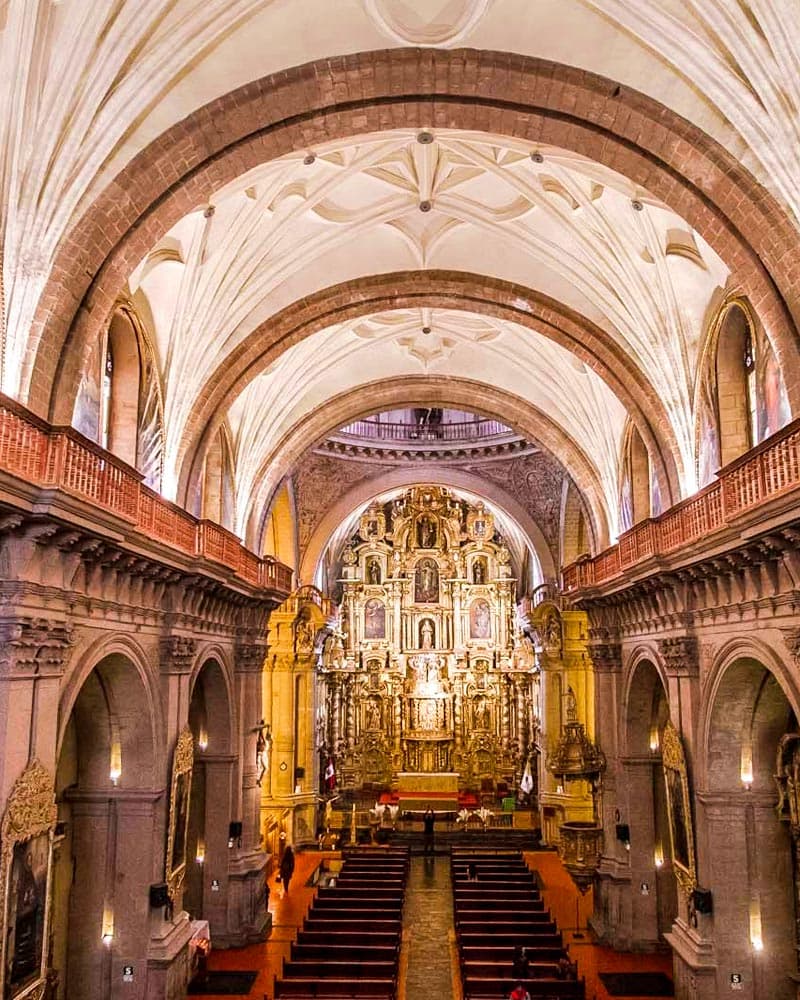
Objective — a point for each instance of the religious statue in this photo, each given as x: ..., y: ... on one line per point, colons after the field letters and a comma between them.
x: 480, y: 620
x: 373, y: 571
x: 305, y: 637
x: 426, y: 633
x: 374, y: 619
x: 372, y: 718
x: 426, y: 588
x: 479, y: 570
x: 426, y: 532
x: 263, y: 747
x: 480, y: 713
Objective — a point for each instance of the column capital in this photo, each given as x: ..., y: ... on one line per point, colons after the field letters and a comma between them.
x: 681, y: 655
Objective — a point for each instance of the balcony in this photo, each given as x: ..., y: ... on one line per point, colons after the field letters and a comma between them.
x: 483, y: 431
x: 59, y: 458
x: 763, y: 475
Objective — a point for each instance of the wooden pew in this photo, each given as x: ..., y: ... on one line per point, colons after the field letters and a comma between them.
x: 505, y: 953
x: 308, y: 989
x: 306, y: 951
x: 385, y: 925
x: 348, y: 939
x: 324, y: 969
x: 495, y: 989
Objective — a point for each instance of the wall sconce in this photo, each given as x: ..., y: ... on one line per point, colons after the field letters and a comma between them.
x: 234, y: 833
x: 756, y: 938
x: 624, y: 834
x: 202, y: 740
x: 200, y: 853
x: 746, y: 768
x: 107, y: 938
x: 108, y: 928
x: 658, y: 857
x: 115, y: 764
x: 654, y: 741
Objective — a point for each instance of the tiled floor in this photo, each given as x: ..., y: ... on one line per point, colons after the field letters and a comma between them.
x: 431, y: 890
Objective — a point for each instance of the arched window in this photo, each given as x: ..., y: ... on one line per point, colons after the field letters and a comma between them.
x: 635, y: 501
x: 122, y: 375
x: 217, y: 502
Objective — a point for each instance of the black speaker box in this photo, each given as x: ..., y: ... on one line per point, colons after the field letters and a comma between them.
x: 623, y: 832
x: 299, y: 773
x: 702, y: 900
x: 159, y: 895
x: 234, y: 830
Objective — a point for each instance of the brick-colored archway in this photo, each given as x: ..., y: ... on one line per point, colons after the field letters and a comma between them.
x: 434, y: 289
x: 492, y: 92
x: 388, y: 394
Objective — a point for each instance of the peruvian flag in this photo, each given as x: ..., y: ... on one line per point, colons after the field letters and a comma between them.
x: 330, y: 775
x: 526, y: 785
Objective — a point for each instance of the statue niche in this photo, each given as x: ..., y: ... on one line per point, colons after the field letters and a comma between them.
x: 479, y: 570
x: 427, y: 634
x: 372, y: 714
x: 426, y: 582
x: 374, y: 619
x: 426, y: 532
x: 373, y: 571
x: 480, y: 626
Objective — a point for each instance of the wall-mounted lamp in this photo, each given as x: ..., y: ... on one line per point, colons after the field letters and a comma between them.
x: 200, y: 853
x: 107, y: 938
x: 746, y: 775
x: 115, y: 774
x: 756, y: 938
x: 234, y: 833
x: 108, y: 928
x: 202, y: 740
x: 654, y: 741
x: 658, y: 857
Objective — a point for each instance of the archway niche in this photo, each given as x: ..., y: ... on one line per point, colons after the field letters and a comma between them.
x: 121, y: 385
x: 654, y: 895
x: 109, y: 847
x: 745, y: 853
x: 735, y: 384
x: 212, y: 804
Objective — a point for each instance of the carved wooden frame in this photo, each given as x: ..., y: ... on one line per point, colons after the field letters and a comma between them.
x: 30, y: 813
x: 679, y: 806
x: 182, y: 766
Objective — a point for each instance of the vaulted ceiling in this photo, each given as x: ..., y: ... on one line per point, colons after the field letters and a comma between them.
x: 574, y: 244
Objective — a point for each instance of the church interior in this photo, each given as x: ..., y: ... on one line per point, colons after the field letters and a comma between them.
x: 399, y: 461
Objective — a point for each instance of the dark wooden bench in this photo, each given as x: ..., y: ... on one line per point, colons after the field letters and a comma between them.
x: 505, y: 954
x: 504, y: 970
x: 375, y: 989
x: 324, y: 969
x: 302, y: 951
x: 513, y: 939
x: 335, y: 921
x: 524, y: 926
x: 361, y: 911
x: 348, y: 938
x: 347, y: 893
x: 479, y: 987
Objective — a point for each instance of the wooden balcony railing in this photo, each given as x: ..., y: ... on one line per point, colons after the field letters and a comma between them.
x: 761, y: 475
x: 61, y: 458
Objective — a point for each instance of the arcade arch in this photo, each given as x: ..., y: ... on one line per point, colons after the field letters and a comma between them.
x: 109, y: 791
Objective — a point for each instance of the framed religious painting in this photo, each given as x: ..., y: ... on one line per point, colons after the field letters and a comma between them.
x: 679, y: 809
x: 27, y: 861
x: 178, y: 830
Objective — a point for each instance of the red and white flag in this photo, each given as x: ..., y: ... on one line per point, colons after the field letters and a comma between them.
x: 330, y: 775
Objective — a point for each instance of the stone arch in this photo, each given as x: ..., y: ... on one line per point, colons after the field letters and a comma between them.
x: 110, y: 796
x: 294, y: 109
x: 213, y: 725
x: 642, y: 796
x: 575, y: 540
x: 635, y: 498
x: 391, y: 393
x: 435, y: 289
x: 366, y: 490
x: 748, y: 708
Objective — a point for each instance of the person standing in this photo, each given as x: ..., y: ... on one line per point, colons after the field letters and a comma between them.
x: 428, y: 820
x: 287, y: 868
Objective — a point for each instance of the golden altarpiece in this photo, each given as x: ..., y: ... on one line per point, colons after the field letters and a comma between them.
x: 426, y: 671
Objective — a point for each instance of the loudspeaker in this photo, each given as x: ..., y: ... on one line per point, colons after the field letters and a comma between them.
x: 623, y: 832
x: 702, y: 900
x: 234, y: 830
x: 299, y: 773
x: 159, y: 895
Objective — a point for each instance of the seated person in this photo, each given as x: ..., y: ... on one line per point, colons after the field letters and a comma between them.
x: 522, y: 964
x: 519, y: 993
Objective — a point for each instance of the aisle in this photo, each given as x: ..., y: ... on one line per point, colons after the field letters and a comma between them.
x: 428, y: 931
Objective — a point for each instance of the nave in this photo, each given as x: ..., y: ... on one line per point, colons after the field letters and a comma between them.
x: 426, y: 969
